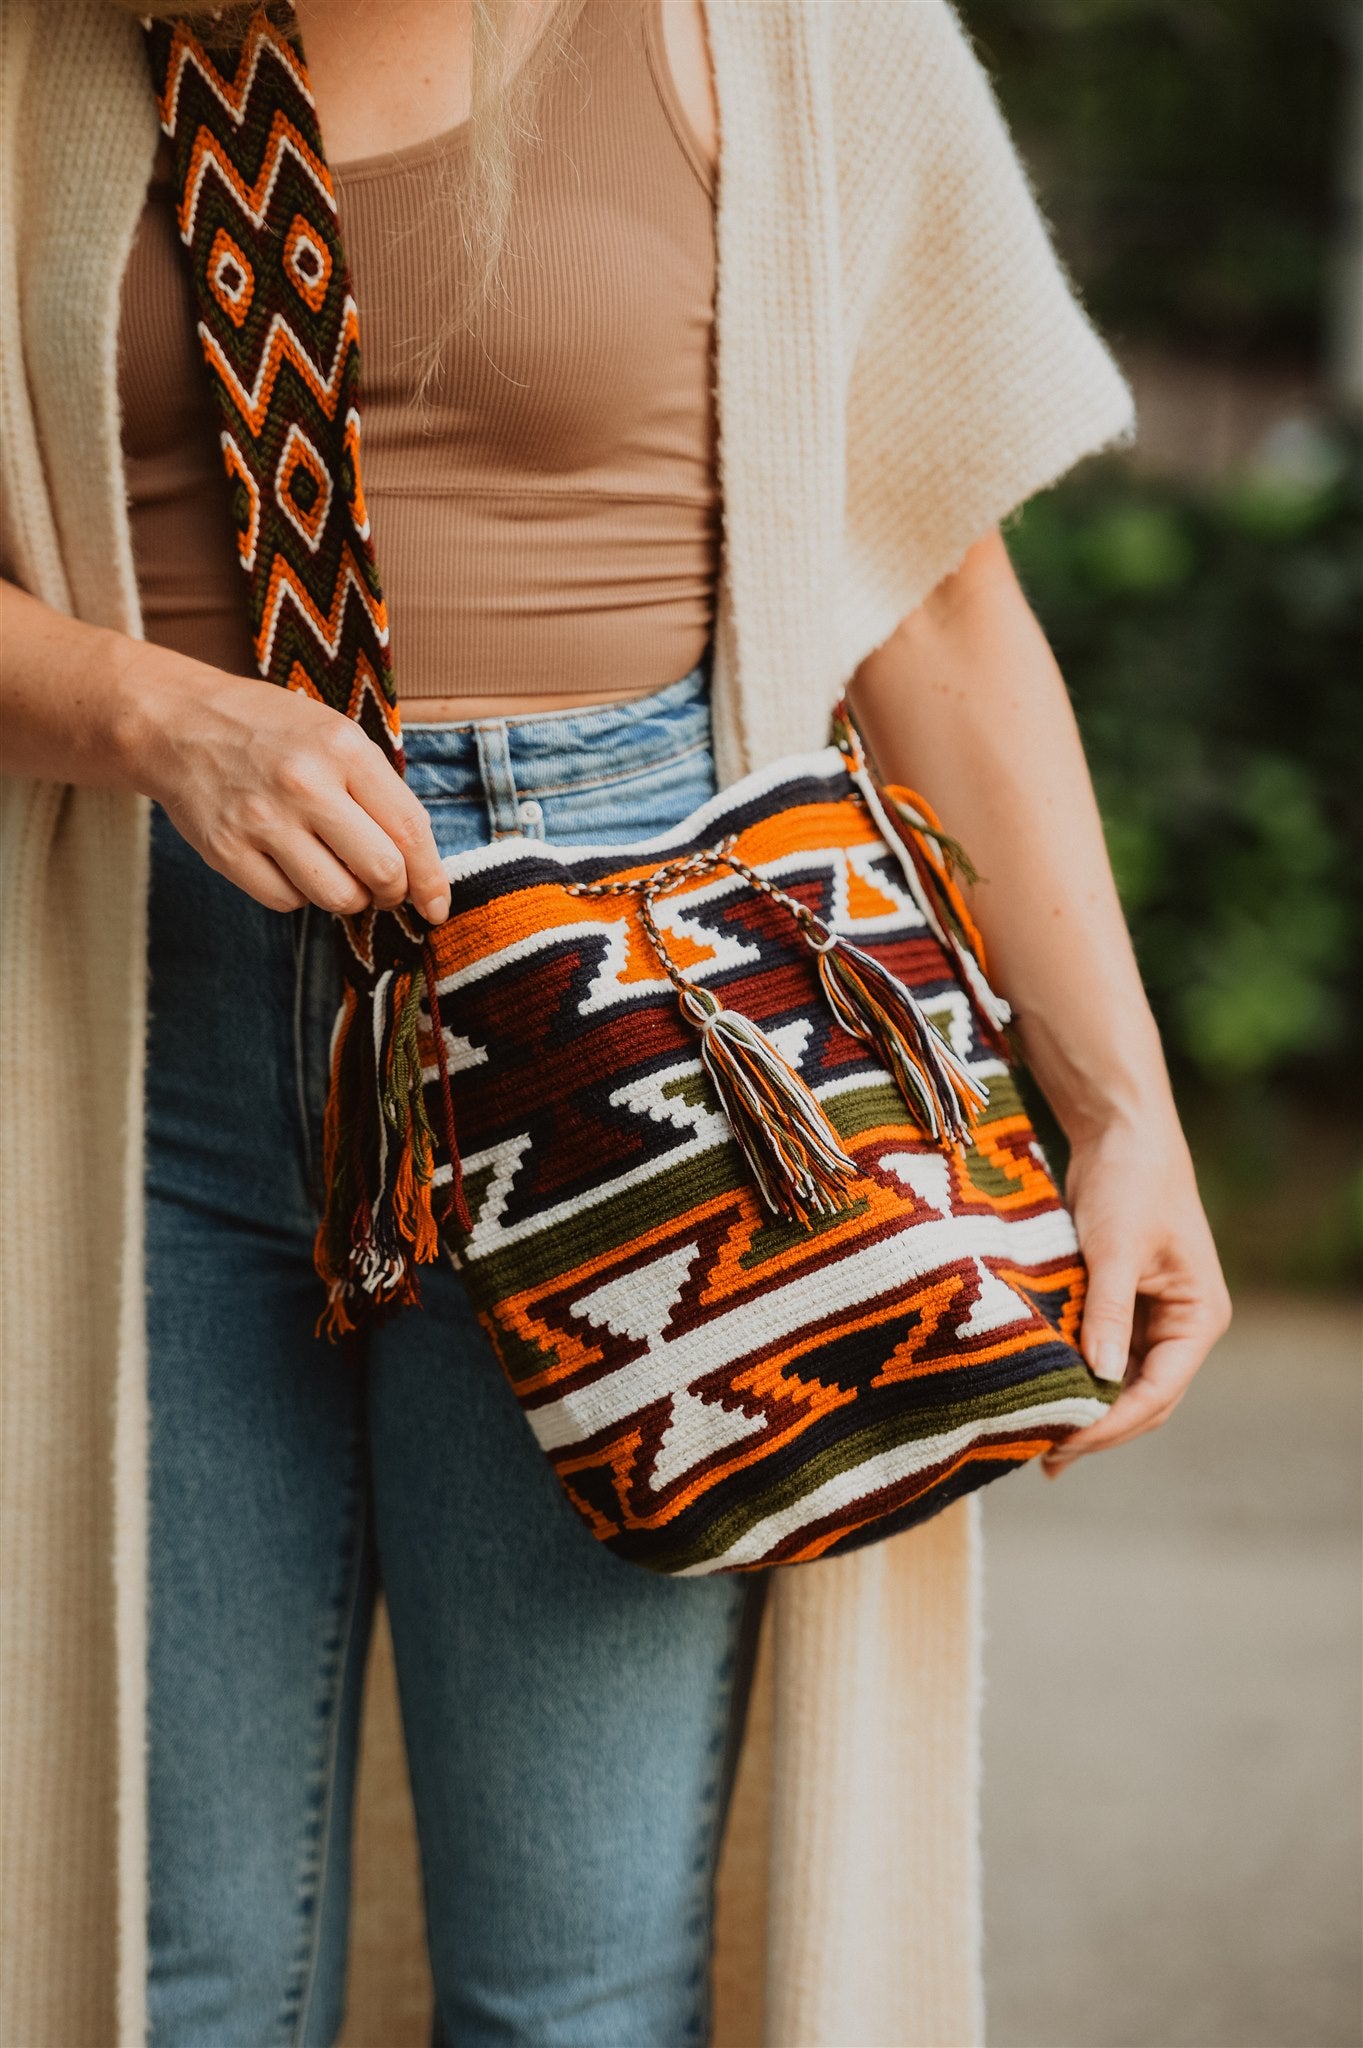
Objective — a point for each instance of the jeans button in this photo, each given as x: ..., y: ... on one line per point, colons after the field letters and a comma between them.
x: 529, y: 811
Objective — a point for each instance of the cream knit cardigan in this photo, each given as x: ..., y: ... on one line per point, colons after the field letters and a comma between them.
x: 900, y: 363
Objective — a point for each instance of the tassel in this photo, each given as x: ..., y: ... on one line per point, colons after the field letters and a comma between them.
x: 456, y: 1200
x: 795, y: 1155
x: 378, y: 1158
x: 342, y: 1218
x: 874, y: 1005
x: 412, y: 1205
x: 404, y: 1109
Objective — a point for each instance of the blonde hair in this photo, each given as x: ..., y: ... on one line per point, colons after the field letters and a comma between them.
x: 502, y: 114
x: 515, y: 43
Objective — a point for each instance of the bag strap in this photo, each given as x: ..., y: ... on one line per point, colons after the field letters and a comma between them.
x: 932, y: 862
x: 279, y: 330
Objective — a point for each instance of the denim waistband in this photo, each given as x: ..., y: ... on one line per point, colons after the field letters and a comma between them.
x: 542, y: 754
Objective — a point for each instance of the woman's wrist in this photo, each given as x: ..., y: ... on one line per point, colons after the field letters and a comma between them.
x: 136, y: 703
x: 87, y: 704
x: 1119, y: 1082
x: 148, y: 691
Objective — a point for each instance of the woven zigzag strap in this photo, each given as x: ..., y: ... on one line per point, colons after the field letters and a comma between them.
x: 280, y: 336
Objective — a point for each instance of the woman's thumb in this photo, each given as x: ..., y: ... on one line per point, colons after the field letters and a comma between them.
x: 1109, y: 1309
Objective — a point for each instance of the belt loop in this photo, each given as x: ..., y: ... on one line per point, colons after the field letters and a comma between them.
x: 499, y: 781
x: 507, y: 814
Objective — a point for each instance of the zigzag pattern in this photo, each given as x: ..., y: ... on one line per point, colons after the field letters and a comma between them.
x: 209, y: 159
x: 282, y: 346
x: 286, y: 586
x: 233, y: 95
x: 279, y: 331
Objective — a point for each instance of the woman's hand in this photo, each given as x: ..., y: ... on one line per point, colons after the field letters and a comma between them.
x: 1156, y: 1300
x: 286, y: 797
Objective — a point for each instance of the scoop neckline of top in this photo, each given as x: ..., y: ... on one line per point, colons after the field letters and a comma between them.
x: 380, y: 163
x: 382, y: 160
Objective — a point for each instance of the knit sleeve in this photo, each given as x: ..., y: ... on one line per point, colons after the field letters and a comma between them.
x: 974, y: 376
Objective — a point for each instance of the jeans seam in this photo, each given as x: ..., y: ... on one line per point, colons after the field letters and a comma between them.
x: 699, y: 2019
x: 716, y: 1796
x: 588, y: 706
x: 300, y: 1075
x: 480, y: 795
x: 635, y: 774
x: 297, y: 2006
x: 638, y: 705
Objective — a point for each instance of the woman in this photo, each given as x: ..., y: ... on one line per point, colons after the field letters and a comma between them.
x: 596, y: 529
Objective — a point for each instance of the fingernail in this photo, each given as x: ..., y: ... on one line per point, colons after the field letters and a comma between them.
x: 1109, y: 1362
x: 435, y: 909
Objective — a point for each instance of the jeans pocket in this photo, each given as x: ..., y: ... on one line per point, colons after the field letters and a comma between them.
x: 636, y: 804
x: 458, y: 823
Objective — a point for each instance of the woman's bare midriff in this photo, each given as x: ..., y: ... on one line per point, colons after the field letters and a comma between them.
x: 460, y: 710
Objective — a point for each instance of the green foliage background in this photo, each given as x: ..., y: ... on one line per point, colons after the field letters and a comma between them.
x: 1213, y: 638
x: 1186, y: 154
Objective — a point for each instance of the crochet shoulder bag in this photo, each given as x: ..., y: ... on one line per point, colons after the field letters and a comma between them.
x: 719, y: 1129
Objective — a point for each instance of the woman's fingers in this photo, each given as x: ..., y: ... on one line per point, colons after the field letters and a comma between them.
x: 1177, y: 1340
x: 1164, y: 1374
x: 351, y: 802
x: 314, y: 869
x: 364, y: 847
x: 1109, y: 1307
x: 264, y: 879
x: 1156, y: 1301
x: 294, y: 802
x: 427, y: 884
x: 381, y: 792
x: 1148, y: 1402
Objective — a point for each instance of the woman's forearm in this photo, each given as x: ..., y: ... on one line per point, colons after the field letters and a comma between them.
x: 966, y: 704
x: 68, y: 711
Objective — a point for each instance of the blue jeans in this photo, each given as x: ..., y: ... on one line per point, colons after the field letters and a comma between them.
x: 572, y: 1722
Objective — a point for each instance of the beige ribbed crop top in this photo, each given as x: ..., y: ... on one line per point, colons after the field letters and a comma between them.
x: 550, y: 524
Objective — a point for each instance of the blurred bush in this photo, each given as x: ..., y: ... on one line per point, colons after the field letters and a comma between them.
x: 1212, y: 638
x: 1188, y: 152
x: 1190, y: 156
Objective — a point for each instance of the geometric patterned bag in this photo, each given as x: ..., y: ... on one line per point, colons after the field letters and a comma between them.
x: 748, y: 1202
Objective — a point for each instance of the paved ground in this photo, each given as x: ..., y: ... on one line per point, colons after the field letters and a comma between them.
x: 1172, y: 1753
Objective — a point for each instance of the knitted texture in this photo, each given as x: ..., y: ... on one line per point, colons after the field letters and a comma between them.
x: 719, y: 1384
x: 924, y: 364
x: 279, y: 329
x: 842, y: 344
x: 73, y: 1448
